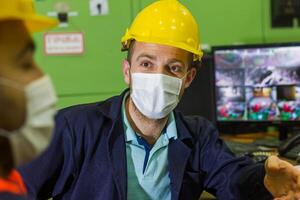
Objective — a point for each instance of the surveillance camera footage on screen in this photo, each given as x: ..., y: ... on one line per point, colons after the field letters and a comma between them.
x: 257, y: 83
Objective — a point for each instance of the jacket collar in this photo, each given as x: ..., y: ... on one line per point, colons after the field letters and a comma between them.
x: 184, y: 133
x: 116, y: 148
x: 178, y: 154
x: 117, y: 156
x: 111, y: 108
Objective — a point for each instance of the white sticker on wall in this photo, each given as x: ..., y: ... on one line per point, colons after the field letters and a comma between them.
x: 71, y: 43
x: 99, y: 7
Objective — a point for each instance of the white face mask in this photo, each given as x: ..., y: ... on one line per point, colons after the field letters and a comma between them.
x: 36, y: 133
x: 155, y: 95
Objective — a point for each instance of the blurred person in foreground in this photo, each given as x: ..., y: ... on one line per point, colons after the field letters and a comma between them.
x: 27, y: 97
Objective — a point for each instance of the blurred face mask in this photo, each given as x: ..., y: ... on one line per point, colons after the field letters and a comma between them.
x: 155, y: 95
x: 34, y: 136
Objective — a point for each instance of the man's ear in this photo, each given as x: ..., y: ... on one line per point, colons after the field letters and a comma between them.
x: 190, y: 77
x: 126, y: 71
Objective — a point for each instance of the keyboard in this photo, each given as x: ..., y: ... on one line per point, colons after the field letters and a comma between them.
x: 256, y: 152
x: 240, y: 149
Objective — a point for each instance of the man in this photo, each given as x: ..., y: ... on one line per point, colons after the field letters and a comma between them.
x: 27, y: 98
x: 134, y: 146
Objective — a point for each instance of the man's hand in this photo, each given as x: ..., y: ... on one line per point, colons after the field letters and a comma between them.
x: 282, y: 179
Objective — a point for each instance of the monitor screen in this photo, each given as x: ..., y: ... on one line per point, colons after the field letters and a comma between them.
x: 257, y: 83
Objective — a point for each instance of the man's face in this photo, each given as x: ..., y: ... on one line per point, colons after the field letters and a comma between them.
x: 155, y: 58
x: 16, y: 64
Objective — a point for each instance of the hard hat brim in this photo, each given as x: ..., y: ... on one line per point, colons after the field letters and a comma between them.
x: 34, y: 23
x: 197, y: 53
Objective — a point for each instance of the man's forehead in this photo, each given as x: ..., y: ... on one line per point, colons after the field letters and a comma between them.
x: 159, y: 50
x: 156, y: 45
x: 12, y: 30
x: 13, y: 36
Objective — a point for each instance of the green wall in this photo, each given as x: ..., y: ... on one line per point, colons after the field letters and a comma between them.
x: 96, y: 75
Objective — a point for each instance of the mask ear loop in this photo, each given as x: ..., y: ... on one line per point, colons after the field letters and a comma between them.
x: 130, y: 78
x: 8, y: 134
x: 10, y: 83
x: 130, y: 73
x: 185, y: 75
x: 4, y: 133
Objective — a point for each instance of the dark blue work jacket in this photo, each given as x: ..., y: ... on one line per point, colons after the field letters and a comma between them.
x: 87, y: 159
x: 10, y: 196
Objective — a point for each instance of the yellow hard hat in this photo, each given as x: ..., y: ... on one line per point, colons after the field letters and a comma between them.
x: 165, y: 22
x: 24, y: 10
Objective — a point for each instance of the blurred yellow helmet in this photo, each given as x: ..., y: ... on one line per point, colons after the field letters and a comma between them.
x: 24, y: 10
x: 165, y: 22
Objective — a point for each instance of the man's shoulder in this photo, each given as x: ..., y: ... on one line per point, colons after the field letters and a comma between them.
x: 196, y: 122
x: 79, y: 109
x: 198, y: 126
x: 89, y: 110
x: 197, y: 119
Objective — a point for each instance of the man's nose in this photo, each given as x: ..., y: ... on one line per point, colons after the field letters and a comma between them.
x: 162, y: 70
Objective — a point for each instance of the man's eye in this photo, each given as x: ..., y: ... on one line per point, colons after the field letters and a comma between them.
x: 175, y: 68
x: 27, y: 62
x: 27, y: 65
x: 146, y: 64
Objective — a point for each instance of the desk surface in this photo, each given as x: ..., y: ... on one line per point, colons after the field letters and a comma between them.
x: 249, y: 137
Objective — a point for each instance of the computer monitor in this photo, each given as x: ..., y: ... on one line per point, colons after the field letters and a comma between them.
x: 256, y: 85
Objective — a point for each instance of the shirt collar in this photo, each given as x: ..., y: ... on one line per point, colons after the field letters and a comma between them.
x: 129, y: 132
x: 171, y: 130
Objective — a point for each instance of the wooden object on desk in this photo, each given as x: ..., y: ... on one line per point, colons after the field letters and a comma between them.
x: 249, y: 137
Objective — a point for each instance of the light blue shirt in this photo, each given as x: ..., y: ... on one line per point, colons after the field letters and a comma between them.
x: 147, y: 167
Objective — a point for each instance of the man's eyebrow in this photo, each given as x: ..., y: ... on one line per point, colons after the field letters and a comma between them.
x: 144, y: 55
x: 174, y: 60
x: 29, y: 47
